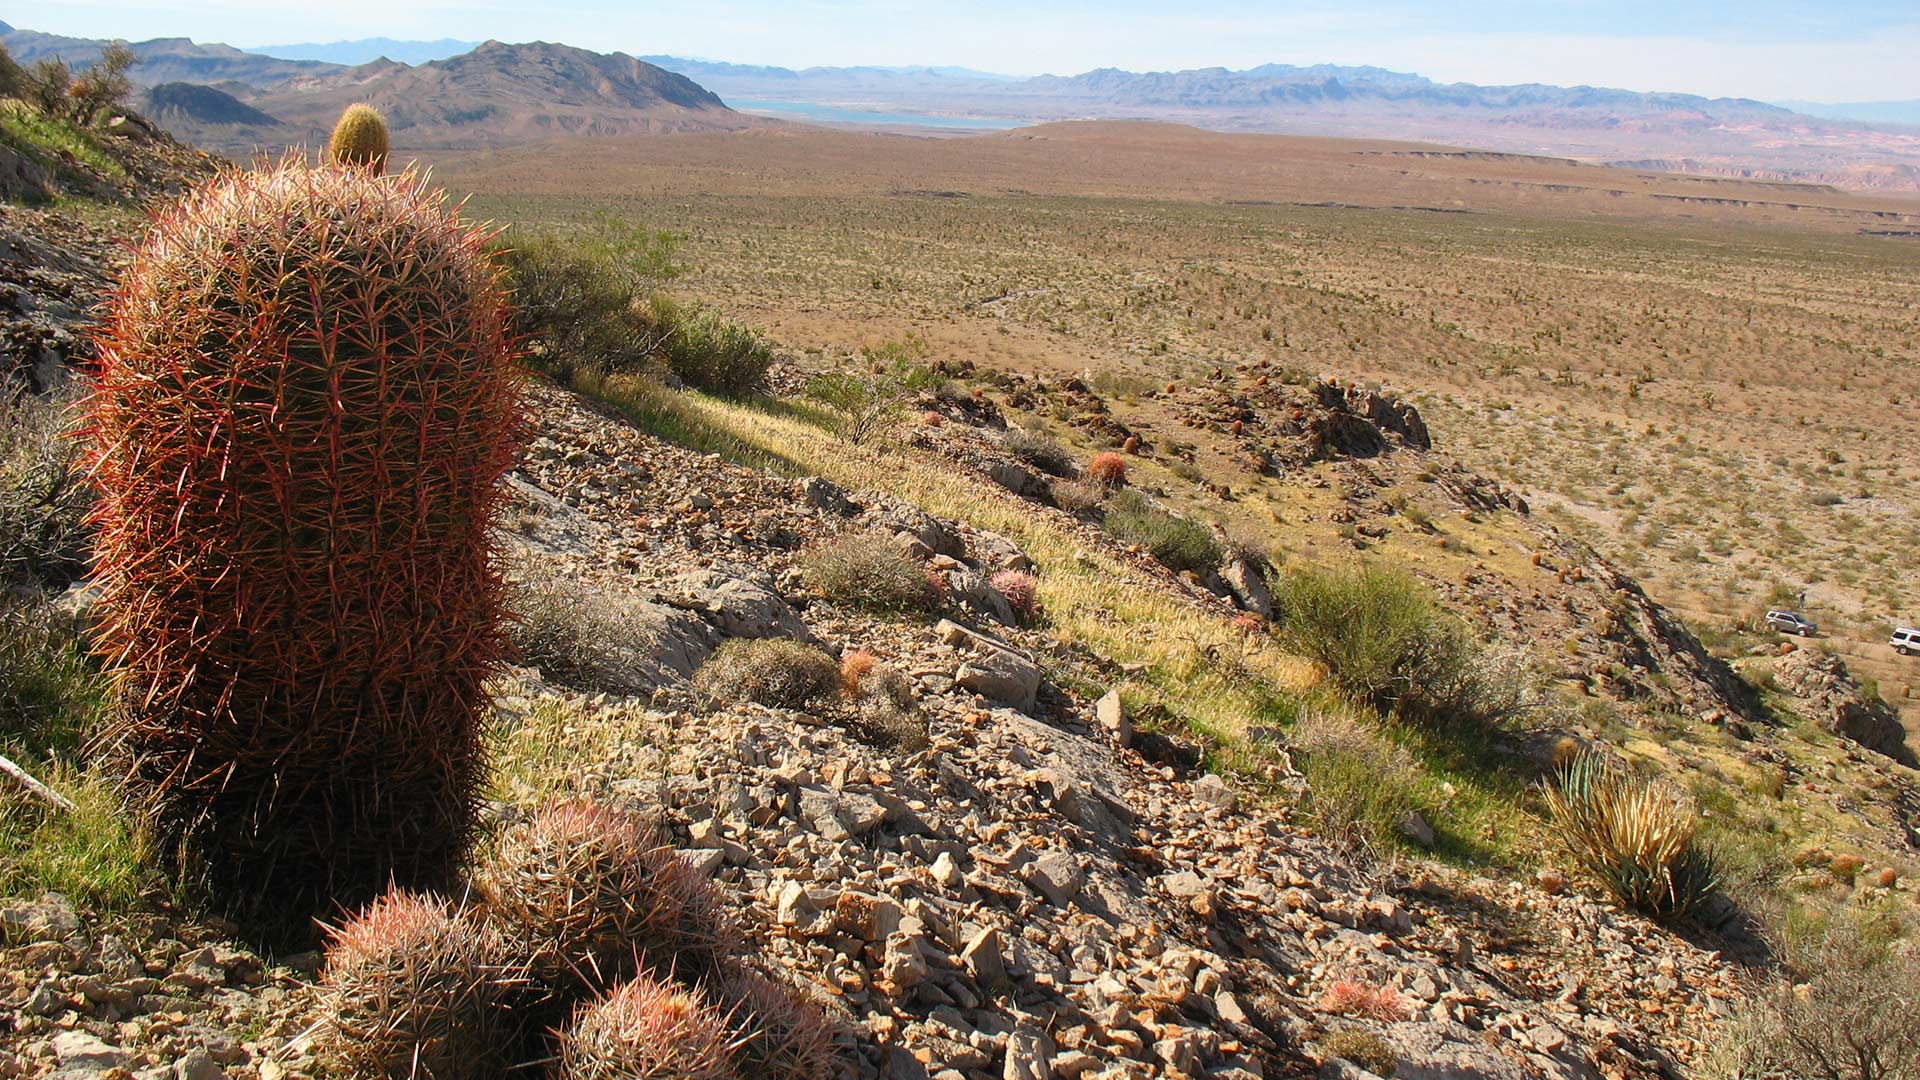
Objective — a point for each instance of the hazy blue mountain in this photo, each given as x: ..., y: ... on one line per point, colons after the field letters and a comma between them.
x: 368, y: 49
x: 1870, y: 112
x: 164, y: 60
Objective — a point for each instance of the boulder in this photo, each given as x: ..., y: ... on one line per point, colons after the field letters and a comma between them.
x: 1247, y: 583
x: 738, y: 601
x: 978, y: 596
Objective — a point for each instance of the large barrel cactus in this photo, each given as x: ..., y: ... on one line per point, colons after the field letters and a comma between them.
x: 307, y: 400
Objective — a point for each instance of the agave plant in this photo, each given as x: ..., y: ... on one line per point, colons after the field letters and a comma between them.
x: 1634, y: 834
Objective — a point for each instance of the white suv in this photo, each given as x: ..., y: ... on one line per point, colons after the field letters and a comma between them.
x: 1905, y: 641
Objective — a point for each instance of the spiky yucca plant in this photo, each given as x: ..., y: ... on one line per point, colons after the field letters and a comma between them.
x: 647, y: 1030
x: 590, y: 895
x: 1633, y: 834
x: 414, y: 988
x: 775, y: 1035
x: 360, y: 138
x: 307, y: 399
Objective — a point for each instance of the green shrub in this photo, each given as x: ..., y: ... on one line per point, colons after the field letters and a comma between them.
x: 775, y: 672
x: 103, y: 85
x: 869, y: 572
x: 13, y: 78
x: 1360, y: 785
x: 1363, y: 1048
x: 1633, y: 834
x: 1177, y: 542
x: 43, y: 494
x: 707, y: 351
x: 1385, y: 642
x: 578, y: 296
x: 867, y: 403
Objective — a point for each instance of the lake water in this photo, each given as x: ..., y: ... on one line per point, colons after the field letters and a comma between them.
x: 834, y: 114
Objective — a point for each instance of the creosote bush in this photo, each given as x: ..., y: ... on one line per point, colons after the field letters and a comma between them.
x: 1178, y: 543
x: 775, y: 672
x: 1847, y: 1012
x: 360, y: 139
x: 1384, y: 641
x: 579, y: 297
x: 868, y: 571
x: 1363, y: 1048
x: 708, y: 351
x: 414, y: 987
x: 1632, y: 834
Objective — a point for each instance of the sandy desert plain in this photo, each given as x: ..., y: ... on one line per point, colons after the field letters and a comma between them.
x: 1714, y: 382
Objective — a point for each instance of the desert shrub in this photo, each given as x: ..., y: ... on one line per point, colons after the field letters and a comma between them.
x: 707, y: 351
x: 1021, y: 590
x: 867, y: 402
x: 1385, y: 642
x: 1851, y: 1016
x: 646, y: 1030
x: 578, y: 636
x: 1040, y: 451
x: 775, y: 672
x: 297, y: 581
x: 1363, y: 1048
x: 588, y: 895
x: 868, y: 571
x: 13, y: 78
x: 415, y: 987
x: 1108, y: 468
x: 1360, y: 785
x: 1634, y: 835
x: 1077, y: 496
x: 1177, y: 542
x: 43, y: 493
x: 48, y: 86
x: 103, y: 85
x: 885, y: 713
x: 578, y: 296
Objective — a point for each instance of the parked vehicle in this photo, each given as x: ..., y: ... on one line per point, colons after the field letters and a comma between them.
x: 1905, y: 640
x: 1791, y: 622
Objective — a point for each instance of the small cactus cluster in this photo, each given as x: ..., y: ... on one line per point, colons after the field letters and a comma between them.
x: 591, y: 949
x: 360, y: 139
x: 591, y: 896
x: 416, y: 987
x: 1021, y: 590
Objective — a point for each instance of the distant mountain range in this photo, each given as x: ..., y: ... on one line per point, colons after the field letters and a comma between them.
x: 367, y: 50
x: 495, y: 94
x: 1869, y: 112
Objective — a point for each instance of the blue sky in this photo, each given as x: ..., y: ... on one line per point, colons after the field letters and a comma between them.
x: 1840, y: 51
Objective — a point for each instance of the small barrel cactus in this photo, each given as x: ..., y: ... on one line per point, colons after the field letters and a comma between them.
x: 647, y: 1030
x: 360, y: 139
x: 776, y: 1035
x: 590, y: 895
x: 415, y: 988
x: 1108, y: 469
x: 307, y: 399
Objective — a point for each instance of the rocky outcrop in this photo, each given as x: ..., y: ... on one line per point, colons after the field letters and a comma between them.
x: 1834, y: 698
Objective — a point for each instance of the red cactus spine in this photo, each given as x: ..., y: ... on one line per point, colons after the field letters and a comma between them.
x: 307, y: 400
